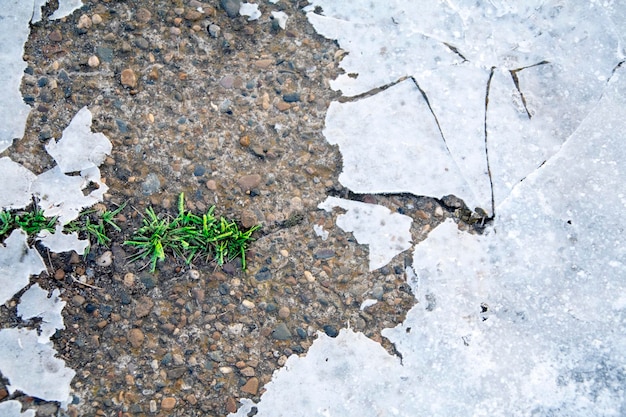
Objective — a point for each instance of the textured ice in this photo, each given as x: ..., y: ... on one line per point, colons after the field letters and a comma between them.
x: 36, y: 303
x: 17, y: 263
x: 13, y: 408
x: 251, y: 10
x: 66, y: 7
x: 281, y: 18
x: 14, y: 30
x: 16, y: 182
x: 32, y: 368
x: 386, y: 233
x: 546, y: 63
x: 60, y: 242
x: 79, y: 148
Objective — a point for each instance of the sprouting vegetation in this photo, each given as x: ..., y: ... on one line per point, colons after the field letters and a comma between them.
x: 188, y: 236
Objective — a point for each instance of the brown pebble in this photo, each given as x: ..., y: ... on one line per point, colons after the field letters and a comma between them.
x: 248, y: 219
x: 263, y: 63
x: 248, y: 182
x: 102, y: 324
x: 96, y: 19
x: 84, y: 22
x: 211, y: 185
x: 78, y: 300
x: 193, y: 15
x: 55, y: 36
x: 231, y: 405
x: 135, y: 337
x: 252, y: 386
x: 128, y: 78
x: 283, y: 312
x: 143, y: 307
x: 282, y: 105
x: 244, y: 141
x: 247, y: 371
x: 168, y: 403
x: 143, y: 15
x: 59, y: 274
x: 191, y: 399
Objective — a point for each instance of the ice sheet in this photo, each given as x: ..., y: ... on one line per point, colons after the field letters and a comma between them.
x: 13, y: 408
x: 17, y: 263
x: 45, y: 377
x: 387, y: 234
x: 36, y: 303
x: 15, y: 192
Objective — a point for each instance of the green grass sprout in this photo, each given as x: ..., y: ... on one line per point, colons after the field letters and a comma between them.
x: 189, y: 236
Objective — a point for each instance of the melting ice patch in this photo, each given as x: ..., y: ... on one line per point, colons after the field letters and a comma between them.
x: 36, y: 303
x: 44, y: 376
x: 386, y: 233
x: 17, y: 263
x: 13, y: 408
x: 545, y: 64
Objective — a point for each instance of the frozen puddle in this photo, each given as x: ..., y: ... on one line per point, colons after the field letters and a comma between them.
x: 521, y: 110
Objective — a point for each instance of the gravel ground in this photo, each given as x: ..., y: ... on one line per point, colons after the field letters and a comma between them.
x: 231, y: 113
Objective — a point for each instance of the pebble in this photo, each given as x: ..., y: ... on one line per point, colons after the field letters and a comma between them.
x: 78, y: 300
x: 291, y: 97
x: 96, y: 19
x: 248, y: 304
x: 264, y: 274
x: 231, y: 7
x: 252, y: 386
x: 324, y: 254
x: 282, y: 105
x: 231, y: 405
x: 153, y: 406
x: 151, y: 184
x: 143, y: 307
x: 248, y: 182
x: 214, y: 30
x: 129, y: 279
x: 143, y: 15
x: 283, y: 312
x: 93, y: 61
x: 331, y: 330
x: 281, y: 332
x: 84, y: 22
x: 168, y: 403
x: 263, y: 63
x: 309, y: 276
x: 135, y: 337
x: 55, y: 36
x: 211, y: 185
x: 128, y: 78
x: 59, y: 274
x: 248, y: 219
x: 106, y: 259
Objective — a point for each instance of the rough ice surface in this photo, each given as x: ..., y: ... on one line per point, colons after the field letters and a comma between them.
x: 13, y: 408
x: 60, y: 242
x: 79, y: 148
x: 386, y: 233
x: 14, y: 18
x: 17, y: 263
x: 529, y: 318
x: 36, y: 303
x: 66, y: 8
x: 32, y: 368
x: 16, y: 182
x: 251, y: 10
x: 534, y: 57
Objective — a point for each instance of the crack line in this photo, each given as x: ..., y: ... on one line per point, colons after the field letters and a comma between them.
x: 493, y: 204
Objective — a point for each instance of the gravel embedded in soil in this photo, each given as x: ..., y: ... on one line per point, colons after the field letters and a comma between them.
x: 231, y: 113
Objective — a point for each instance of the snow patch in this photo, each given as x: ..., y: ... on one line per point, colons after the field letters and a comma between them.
x: 36, y: 303
x: 17, y: 263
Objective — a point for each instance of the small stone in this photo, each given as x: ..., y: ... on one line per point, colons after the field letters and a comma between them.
x: 252, y: 386
x: 282, y: 106
x: 175, y: 31
x: 283, y: 312
x: 96, y: 19
x: 143, y: 307
x: 263, y: 63
x: 265, y: 101
x: 281, y: 332
x: 59, y: 274
x: 55, y: 36
x: 248, y: 304
x: 153, y: 406
x: 106, y: 259
x: 227, y: 81
x: 78, y: 300
x: 84, y: 22
x: 264, y: 274
x: 143, y: 15
x: 247, y: 371
x: 231, y: 405
x: 193, y: 15
x: 191, y: 399
x: 331, y: 330
x: 248, y: 219
x: 291, y: 97
x: 128, y: 78
x: 309, y: 276
x: 214, y: 30
x: 244, y: 141
x: 93, y: 61
x: 248, y: 182
x: 135, y: 337
x: 324, y: 254
x: 151, y: 184
x: 211, y: 185
x: 129, y: 279
x: 231, y: 7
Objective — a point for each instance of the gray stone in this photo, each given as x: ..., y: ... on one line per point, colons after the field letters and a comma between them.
x: 231, y: 7
x: 151, y: 184
x: 214, y: 30
x: 281, y: 332
x: 377, y: 292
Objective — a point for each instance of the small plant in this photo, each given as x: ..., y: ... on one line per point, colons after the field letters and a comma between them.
x: 189, y: 236
x: 31, y: 221
x: 97, y: 229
